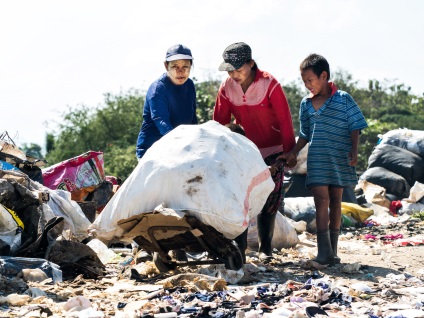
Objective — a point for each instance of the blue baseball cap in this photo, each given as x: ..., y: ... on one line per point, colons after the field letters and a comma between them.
x: 178, y: 52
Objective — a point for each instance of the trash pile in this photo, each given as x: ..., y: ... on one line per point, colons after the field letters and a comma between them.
x: 397, y: 163
x: 287, y: 286
x: 81, y: 244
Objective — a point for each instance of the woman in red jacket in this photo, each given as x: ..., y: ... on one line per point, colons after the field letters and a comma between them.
x: 257, y: 102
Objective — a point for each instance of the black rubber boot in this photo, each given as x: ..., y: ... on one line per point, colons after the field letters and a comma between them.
x: 325, y: 251
x: 334, y: 238
x: 265, y: 224
x: 241, y: 241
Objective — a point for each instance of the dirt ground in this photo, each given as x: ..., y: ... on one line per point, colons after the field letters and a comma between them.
x: 379, y: 257
x: 127, y: 291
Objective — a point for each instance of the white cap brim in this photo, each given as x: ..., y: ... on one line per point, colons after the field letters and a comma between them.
x: 179, y: 57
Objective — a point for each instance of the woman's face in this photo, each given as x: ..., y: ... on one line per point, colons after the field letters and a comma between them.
x: 242, y: 75
x: 178, y: 71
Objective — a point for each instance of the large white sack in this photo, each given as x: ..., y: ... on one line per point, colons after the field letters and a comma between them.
x: 206, y: 170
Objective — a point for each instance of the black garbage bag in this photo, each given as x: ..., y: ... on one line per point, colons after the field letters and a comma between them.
x: 75, y: 258
x: 101, y: 195
x: 398, y: 160
x: 392, y: 182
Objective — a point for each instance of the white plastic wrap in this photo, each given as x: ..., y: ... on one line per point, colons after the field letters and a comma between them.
x: 61, y: 204
x: 302, y: 158
x: 416, y: 193
x: 205, y: 170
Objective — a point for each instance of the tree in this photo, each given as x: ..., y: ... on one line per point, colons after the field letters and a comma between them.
x: 205, y: 95
x: 111, y: 128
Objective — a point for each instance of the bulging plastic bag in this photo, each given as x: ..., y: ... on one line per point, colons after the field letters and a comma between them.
x: 11, y: 228
x: 359, y: 213
x: 301, y: 209
x: 79, y: 175
x: 206, y: 170
x: 412, y: 140
x: 12, y: 266
x: 285, y: 235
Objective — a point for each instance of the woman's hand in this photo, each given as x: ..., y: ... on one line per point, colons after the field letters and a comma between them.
x: 290, y: 158
x: 273, y: 169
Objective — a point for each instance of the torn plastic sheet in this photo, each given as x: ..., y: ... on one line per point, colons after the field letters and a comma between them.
x: 12, y: 266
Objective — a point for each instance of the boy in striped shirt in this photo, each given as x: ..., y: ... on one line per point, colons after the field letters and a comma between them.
x: 330, y: 121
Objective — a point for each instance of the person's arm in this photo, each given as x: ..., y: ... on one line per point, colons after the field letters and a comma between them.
x: 356, y: 122
x: 194, y: 121
x: 160, y: 112
x: 303, y: 135
x: 222, y: 111
x: 281, y: 108
x: 288, y: 156
x: 353, y: 154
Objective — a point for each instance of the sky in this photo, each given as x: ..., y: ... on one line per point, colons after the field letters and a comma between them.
x: 58, y: 55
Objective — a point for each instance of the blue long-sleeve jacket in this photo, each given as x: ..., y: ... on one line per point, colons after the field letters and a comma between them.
x: 166, y: 106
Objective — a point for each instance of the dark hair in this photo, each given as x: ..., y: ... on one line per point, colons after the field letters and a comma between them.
x: 167, y: 62
x: 316, y: 63
x: 236, y: 128
x: 255, y: 66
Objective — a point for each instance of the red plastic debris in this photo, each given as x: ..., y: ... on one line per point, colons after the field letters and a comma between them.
x: 394, y: 207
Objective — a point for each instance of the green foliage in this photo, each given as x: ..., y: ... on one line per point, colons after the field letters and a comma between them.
x: 49, y: 142
x: 205, y: 94
x: 107, y: 128
x: 120, y: 161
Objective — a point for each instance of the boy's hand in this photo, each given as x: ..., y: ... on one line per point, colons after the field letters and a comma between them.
x: 292, y: 163
x: 353, y: 156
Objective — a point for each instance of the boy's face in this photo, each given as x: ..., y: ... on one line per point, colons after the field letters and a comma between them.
x: 178, y: 71
x: 312, y: 82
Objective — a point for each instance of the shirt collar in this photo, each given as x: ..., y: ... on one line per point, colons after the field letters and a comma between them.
x: 333, y: 89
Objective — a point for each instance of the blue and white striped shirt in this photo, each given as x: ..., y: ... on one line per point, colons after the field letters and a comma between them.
x: 328, y: 132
